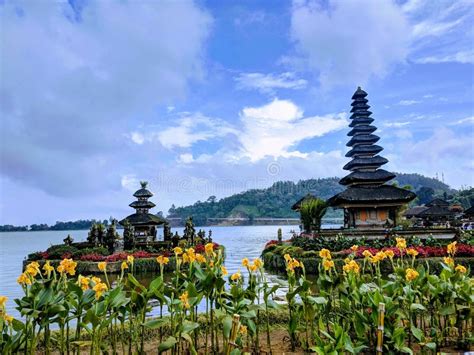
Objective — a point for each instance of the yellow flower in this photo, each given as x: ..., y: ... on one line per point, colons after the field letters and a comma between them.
x: 367, y: 254
x: 253, y: 268
x: 411, y: 274
x: 32, y: 269
x: 162, y: 260
x: 8, y: 318
x: 83, y: 282
x: 449, y: 261
x: 390, y: 253
x: 354, y: 248
x: 292, y: 264
x: 209, y: 247
x: 67, y: 266
x: 452, y: 248
x: 412, y: 252
x: 224, y: 270
x: 243, y: 329
x: 96, y: 280
x: 178, y: 251
x: 99, y: 289
x: 328, y: 264
x: 460, y: 268
x: 102, y: 266
x: 211, y: 263
x: 3, y: 300
x: 258, y: 263
x: 191, y: 256
x: 401, y: 243
x: 351, y: 266
x: 130, y: 259
x: 235, y: 276
x: 124, y: 265
x: 185, y: 300
x: 23, y: 279
x: 325, y: 254
x: 200, y: 258
x: 378, y: 257
x: 185, y: 258
x: 287, y: 257
x: 245, y: 262
x: 47, y: 268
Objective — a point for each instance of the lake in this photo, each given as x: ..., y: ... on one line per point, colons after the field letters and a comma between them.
x: 239, y: 241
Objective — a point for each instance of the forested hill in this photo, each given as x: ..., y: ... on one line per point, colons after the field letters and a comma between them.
x: 276, y: 201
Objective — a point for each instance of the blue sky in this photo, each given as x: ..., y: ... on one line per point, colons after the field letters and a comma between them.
x: 208, y: 98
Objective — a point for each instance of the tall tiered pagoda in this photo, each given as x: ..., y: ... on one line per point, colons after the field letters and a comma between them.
x: 368, y: 202
x: 144, y: 223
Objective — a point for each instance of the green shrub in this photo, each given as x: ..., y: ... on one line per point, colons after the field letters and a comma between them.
x: 57, y: 251
x: 95, y: 250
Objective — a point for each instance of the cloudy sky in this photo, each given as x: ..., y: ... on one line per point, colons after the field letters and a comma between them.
x: 208, y: 98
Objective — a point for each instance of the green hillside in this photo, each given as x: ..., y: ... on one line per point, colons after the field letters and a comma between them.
x: 276, y: 200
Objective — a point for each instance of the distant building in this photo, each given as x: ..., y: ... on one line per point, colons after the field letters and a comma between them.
x: 143, y: 222
x: 368, y: 202
x: 437, y: 211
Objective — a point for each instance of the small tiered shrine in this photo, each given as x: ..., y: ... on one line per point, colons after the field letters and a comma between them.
x: 143, y: 222
x: 368, y: 202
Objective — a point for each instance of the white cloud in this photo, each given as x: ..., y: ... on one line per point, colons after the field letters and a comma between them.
x: 186, y: 158
x: 71, y: 81
x: 272, y: 130
x: 345, y: 48
x: 130, y: 182
x: 468, y: 120
x: 137, y: 138
x: 409, y: 102
x: 190, y: 129
x: 396, y: 124
x: 348, y: 49
x: 267, y: 83
x: 463, y: 57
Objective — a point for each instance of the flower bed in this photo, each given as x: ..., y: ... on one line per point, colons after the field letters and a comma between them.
x: 88, y: 263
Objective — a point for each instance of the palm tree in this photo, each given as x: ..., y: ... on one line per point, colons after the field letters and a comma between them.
x: 312, y: 212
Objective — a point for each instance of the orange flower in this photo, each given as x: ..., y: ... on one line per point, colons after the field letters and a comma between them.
x: 328, y: 264
x: 23, y: 279
x: 401, y: 243
x: 452, y: 248
x: 235, y: 276
x: 99, y: 289
x: 224, y: 270
x: 162, y: 260
x: 411, y: 274
x: 461, y: 269
x: 325, y: 254
x: 412, y: 252
x: 184, y: 298
x: 245, y: 262
x: 102, y: 266
x: 449, y: 261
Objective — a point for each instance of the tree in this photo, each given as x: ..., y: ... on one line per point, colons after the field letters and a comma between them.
x: 312, y: 212
x: 189, y: 230
x: 425, y: 194
x: 92, y: 235
x: 111, y: 237
x: 128, y: 236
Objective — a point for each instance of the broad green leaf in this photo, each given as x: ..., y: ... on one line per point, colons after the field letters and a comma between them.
x: 155, y: 323
x: 227, y: 326
x: 417, y: 333
x: 167, y: 344
x: 417, y: 307
x: 447, y: 310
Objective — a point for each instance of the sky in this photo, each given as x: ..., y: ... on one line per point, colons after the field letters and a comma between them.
x: 206, y: 98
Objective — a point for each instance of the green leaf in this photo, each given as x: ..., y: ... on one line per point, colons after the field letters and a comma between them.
x: 318, y: 300
x: 407, y: 350
x: 155, y: 323
x: 167, y: 344
x: 417, y: 333
x: 188, y: 327
x: 447, y: 310
x: 227, y: 326
x: 431, y: 346
x: 417, y: 307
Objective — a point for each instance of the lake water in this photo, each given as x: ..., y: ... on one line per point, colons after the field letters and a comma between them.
x: 239, y: 241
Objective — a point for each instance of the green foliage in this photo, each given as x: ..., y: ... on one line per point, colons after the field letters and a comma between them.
x: 312, y: 212
x: 57, y: 251
x: 276, y: 201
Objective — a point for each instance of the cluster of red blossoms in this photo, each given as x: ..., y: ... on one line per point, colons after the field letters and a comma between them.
x: 423, y: 251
